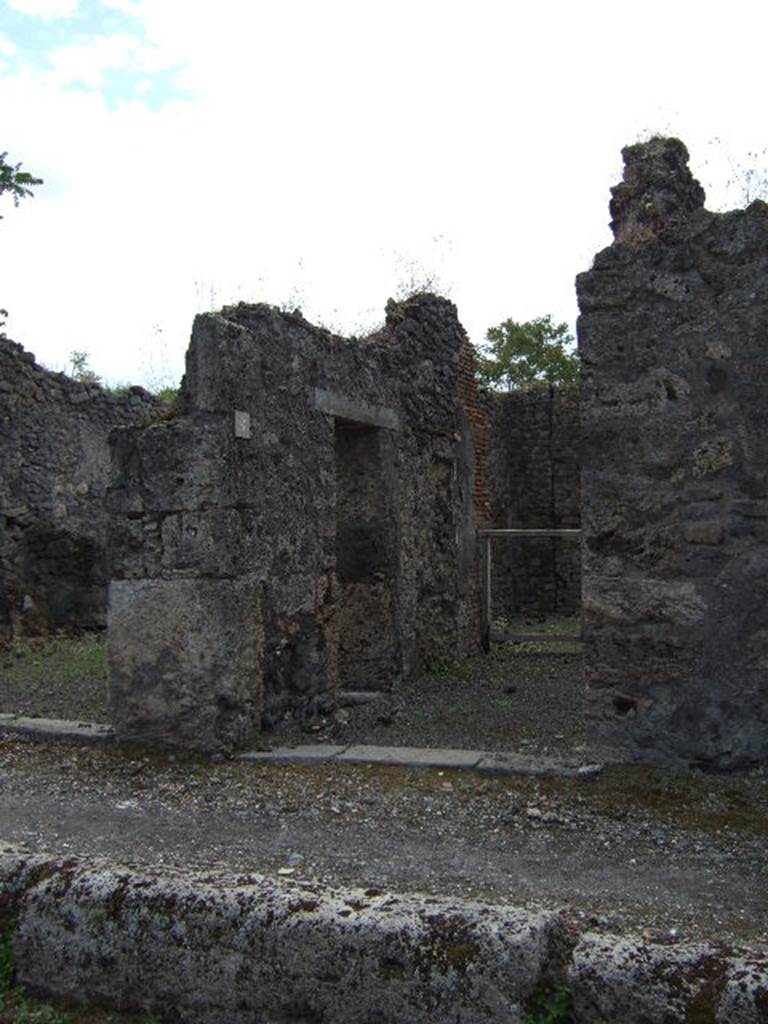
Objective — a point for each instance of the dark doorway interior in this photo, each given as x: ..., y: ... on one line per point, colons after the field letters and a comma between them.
x: 366, y: 557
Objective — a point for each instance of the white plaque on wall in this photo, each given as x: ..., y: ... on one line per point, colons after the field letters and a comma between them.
x: 242, y: 424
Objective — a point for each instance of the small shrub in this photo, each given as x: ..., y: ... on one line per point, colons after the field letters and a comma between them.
x: 554, y: 1006
x: 7, y: 967
x: 168, y: 394
x: 117, y: 390
x: 80, y: 370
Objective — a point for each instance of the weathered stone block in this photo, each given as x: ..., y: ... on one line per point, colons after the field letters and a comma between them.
x: 210, y: 544
x: 247, y: 948
x: 185, y: 662
x: 614, y: 978
x: 185, y: 465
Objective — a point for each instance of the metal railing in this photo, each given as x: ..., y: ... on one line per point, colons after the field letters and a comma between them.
x: 486, y: 562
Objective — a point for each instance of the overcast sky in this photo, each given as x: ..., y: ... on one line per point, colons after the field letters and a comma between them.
x: 327, y: 154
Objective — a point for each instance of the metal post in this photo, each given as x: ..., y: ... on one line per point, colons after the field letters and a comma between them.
x: 485, y: 593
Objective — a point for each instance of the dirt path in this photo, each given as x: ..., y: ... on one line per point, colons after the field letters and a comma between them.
x: 630, y: 848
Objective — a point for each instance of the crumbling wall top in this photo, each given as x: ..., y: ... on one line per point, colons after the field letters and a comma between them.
x: 658, y: 193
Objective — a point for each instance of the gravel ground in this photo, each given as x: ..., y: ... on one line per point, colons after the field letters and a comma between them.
x: 523, y: 698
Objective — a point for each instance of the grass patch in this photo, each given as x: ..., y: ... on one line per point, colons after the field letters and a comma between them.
x: 62, y: 659
x: 7, y: 968
x: 446, y: 668
x: 56, y: 677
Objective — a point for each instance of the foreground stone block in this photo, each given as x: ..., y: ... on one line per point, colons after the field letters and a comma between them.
x: 185, y: 661
x: 622, y: 979
x: 212, y: 949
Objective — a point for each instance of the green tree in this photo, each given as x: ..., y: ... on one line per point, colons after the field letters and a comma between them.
x: 12, y: 179
x: 517, y: 354
x: 19, y: 183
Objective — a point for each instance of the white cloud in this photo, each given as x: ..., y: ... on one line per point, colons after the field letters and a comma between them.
x: 46, y: 8
x: 87, y: 60
x: 130, y: 7
x: 7, y: 47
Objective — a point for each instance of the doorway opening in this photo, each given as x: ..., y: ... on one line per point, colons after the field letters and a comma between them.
x: 366, y: 557
x: 509, y: 633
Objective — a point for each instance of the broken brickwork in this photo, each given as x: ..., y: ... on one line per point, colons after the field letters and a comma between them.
x: 673, y: 337
x: 54, y: 471
x: 306, y: 521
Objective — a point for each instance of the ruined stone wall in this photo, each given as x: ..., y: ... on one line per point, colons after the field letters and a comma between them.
x: 533, y: 472
x: 673, y: 337
x: 321, y: 492
x: 54, y: 470
x: 441, y: 479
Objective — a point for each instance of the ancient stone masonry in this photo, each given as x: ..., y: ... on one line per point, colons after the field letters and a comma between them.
x: 534, y: 482
x: 673, y: 337
x: 54, y: 469
x: 306, y: 521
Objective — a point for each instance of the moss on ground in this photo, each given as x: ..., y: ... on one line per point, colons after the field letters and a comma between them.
x: 56, y: 676
x: 63, y: 659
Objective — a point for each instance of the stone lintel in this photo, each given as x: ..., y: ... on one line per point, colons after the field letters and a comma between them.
x: 334, y: 404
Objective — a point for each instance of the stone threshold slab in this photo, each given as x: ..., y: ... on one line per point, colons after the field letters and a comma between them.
x: 57, y: 729
x: 424, y: 757
x: 412, y: 757
x: 306, y: 754
x: 480, y: 761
